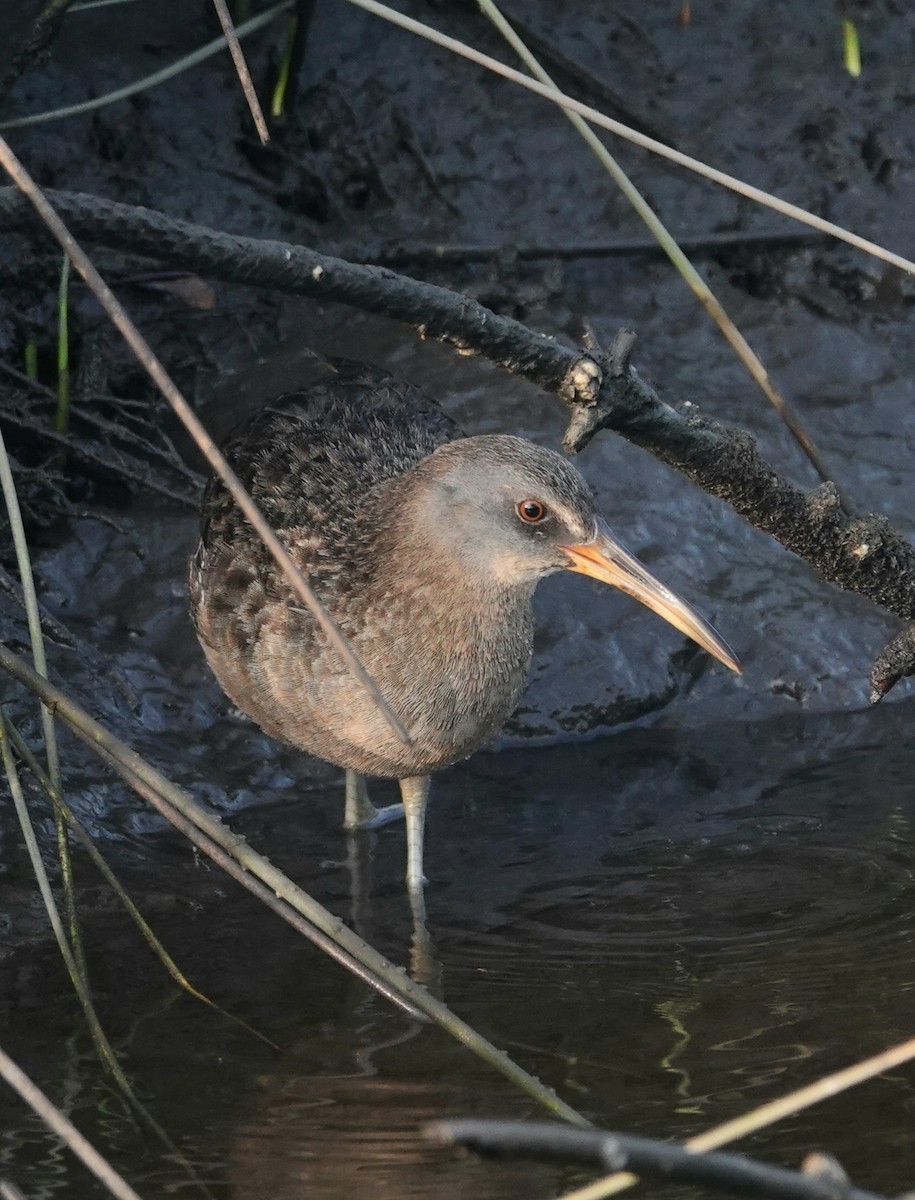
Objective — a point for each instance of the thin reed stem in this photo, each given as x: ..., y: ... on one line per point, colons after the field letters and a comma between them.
x: 65, y: 1129
x: 632, y: 135
x: 678, y: 259
x: 133, y: 767
x: 66, y: 814
x: 193, y: 425
x: 62, y: 415
x: 241, y: 68
x: 149, y: 81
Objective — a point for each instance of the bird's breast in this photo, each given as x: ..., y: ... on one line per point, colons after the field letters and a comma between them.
x: 451, y: 673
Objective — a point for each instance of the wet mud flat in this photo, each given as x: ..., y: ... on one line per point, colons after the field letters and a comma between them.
x: 699, y: 912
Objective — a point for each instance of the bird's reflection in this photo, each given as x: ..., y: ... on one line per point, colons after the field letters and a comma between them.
x: 424, y: 964
x: 329, y: 1137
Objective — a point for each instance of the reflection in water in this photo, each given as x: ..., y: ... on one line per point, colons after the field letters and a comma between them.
x: 667, y: 927
x: 424, y: 964
x: 360, y: 1138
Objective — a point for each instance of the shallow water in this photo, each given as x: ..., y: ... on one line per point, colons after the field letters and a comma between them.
x: 663, y: 931
x: 669, y: 924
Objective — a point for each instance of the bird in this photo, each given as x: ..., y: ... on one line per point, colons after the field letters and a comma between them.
x: 425, y: 546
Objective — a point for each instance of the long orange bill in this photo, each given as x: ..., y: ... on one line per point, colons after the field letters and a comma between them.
x: 607, y: 560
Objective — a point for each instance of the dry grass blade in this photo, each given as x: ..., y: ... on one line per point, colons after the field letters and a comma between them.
x: 77, y: 976
x: 80, y: 983
x: 76, y: 964
x: 135, y: 769
x: 244, y: 75
x: 30, y: 599
x: 674, y: 252
x: 74, y: 942
x: 192, y: 424
x: 766, y: 1114
x: 89, y: 5
x: 65, y: 1129
x: 67, y: 814
x: 161, y: 802
x: 149, y: 81
x: 639, y: 139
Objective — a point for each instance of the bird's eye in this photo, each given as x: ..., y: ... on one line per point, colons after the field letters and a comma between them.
x: 531, y: 511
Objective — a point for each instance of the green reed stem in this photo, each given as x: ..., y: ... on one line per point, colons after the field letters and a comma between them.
x: 62, y: 416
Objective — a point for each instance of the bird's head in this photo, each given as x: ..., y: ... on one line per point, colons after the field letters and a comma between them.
x: 510, y: 512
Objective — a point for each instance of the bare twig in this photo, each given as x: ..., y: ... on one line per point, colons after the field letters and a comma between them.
x: 139, y: 438
x: 674, y: 252
x: 650, y: 1157
x: 863, y: 554
x: 126, y: 468
x: 434, y: 311
x: 49, y: 624
x: 241, y: 67
x: 766, y: 1114
x: 399, y: 254
x: 134, y: 768
x: 894, y: 662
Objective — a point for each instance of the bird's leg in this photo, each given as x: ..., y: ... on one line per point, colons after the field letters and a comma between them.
x: 360, y: 812
x: 415, y: 791
x: 359, y: 807
x: 424, y: 965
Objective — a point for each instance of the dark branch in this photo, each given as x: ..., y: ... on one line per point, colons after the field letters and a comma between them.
x: 646, y: 1157
x: 37, y: 44
x: 894, y: 662
x: 404, y: 254
x: 862, y: 554
x: 433, y: 311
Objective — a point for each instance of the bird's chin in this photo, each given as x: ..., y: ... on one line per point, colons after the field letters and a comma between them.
x: 518, y: 571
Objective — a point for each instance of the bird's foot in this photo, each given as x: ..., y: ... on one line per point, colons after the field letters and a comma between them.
x: 380, y: 816
x: 360, y: 812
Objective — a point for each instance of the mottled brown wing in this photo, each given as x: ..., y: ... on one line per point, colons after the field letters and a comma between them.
x: 308, y: 459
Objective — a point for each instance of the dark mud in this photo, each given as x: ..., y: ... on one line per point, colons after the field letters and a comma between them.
x: 716, y: 904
